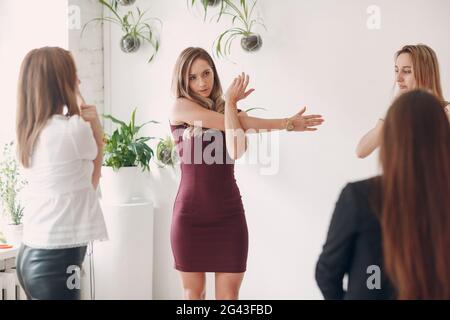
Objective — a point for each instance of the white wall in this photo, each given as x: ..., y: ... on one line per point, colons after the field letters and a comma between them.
x: 88, y: 50
x: 316, y: 53
x: 25, y: 25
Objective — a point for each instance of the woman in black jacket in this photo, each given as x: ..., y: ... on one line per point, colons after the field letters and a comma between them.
x: 393, y: 231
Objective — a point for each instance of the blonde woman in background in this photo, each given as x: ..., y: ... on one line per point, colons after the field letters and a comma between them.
x: 416, y: 67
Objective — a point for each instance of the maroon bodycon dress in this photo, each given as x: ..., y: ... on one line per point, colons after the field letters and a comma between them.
x: 209, y: 230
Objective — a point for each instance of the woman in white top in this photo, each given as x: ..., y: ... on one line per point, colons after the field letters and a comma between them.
x: 60, y: 146
x: 416, y: 67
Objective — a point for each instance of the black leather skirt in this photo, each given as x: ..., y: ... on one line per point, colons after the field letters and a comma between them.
x: 50, y: 274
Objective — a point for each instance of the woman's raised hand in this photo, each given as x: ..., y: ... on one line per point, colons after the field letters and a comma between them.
x: 303, y: 122
x: 237, y: 90
x: 89, y: 113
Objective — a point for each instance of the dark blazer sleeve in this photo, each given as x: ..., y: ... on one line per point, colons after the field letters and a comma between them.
x: 334, y: 261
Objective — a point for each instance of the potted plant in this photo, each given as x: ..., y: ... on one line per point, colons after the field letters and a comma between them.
x: 166, y: 152
x: 126, y: 158
x: 11, y: 183
x: 135, y: 26
x: 244, y: 14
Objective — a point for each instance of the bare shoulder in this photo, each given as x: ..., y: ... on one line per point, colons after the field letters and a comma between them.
x: 242, y: 114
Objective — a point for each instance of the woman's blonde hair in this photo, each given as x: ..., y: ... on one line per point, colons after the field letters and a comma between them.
x: 426, y: 68
x: 180, y: 84
x: 47, y: 82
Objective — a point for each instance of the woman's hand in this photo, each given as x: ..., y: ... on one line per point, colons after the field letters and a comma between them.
x: 236, y: 91
x: 89, y: 114
x: 305, y: 123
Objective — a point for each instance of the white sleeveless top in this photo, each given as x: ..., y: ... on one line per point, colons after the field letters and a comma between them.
x: 61, y: 206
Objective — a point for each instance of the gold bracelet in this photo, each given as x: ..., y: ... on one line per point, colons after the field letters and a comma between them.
x: 289, y: 125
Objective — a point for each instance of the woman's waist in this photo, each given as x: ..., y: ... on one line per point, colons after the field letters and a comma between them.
x: 59, y: 178
x: 205, y: 172
x: 186, y: 207
x: 51, y: 188
x: 77, y: 205
x: 209, y: 198
x: 203, y: 189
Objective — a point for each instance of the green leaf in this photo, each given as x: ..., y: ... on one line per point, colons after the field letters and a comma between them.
x: 133, y: 117
x: 256, y: 108
x: 107, y: 116
x: 107, y: 19
x: 144, y: 124
x: 113, y: 10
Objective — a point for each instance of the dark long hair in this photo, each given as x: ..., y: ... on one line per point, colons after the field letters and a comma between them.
x: 415, y: 188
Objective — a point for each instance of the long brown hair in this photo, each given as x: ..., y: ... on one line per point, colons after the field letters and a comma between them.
x: 425, y: 67
x: 415, y: 186
x: 47, y: 82
x: 180, y: 81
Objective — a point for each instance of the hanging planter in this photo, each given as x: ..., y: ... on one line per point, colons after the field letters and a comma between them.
x: 136, y: 27
x: 126, y: 2
x: 244, y: 15
x: 130, y: 43
x: 251, y: 42
x: 213, y: 3
x: 166, y: 152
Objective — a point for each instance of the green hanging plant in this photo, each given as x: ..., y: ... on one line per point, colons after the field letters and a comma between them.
x: 242, y: 14
x: 135, y: 26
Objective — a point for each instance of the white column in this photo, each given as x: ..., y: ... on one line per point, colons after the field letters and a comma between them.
x: 123, y: 265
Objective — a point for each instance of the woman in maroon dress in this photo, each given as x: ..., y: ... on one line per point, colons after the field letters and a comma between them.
x: 209, y: 230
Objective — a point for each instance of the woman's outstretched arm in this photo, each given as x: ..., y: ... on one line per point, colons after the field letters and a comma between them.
x: 370, y: 141
x: 190, y: 112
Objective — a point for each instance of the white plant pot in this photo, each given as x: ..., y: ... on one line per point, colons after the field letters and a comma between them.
x: 126, y: 185
x: 13, y: 234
